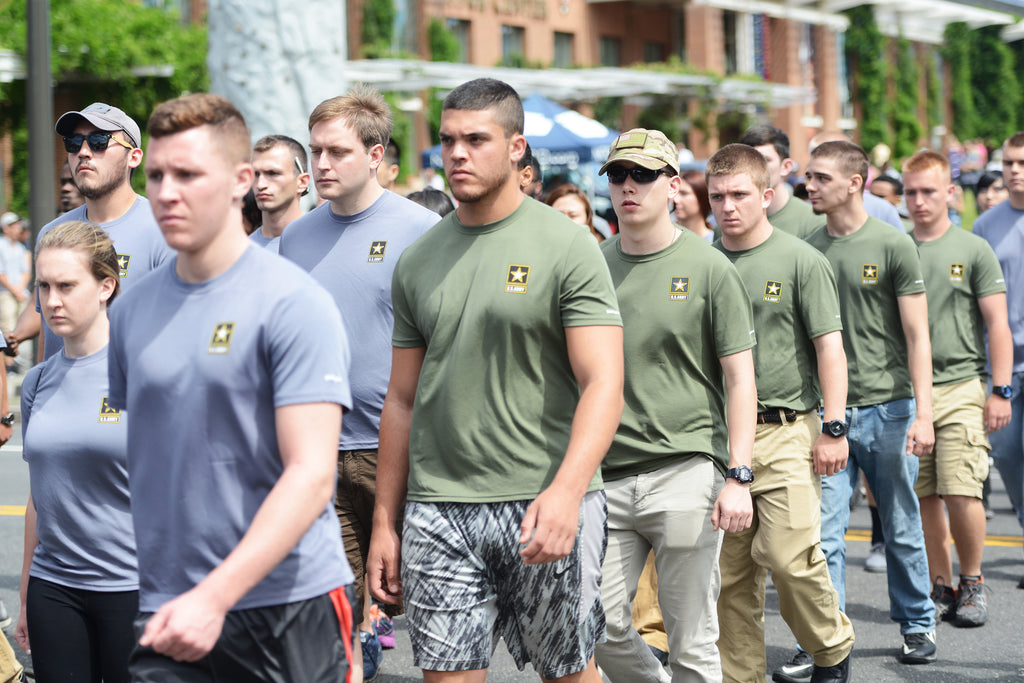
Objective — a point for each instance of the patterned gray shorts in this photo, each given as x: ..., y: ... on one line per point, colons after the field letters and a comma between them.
x: 465, y: 587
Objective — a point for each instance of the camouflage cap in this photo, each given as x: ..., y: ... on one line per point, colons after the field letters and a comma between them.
x: 647, y: 148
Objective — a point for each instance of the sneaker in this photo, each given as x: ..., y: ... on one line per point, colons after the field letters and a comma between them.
x: 971, y: 604
x: 383, y: 627
x: 944, y: 598
x: 371, y: 655
x: 839, y: 673
x: 876, y: 560
x: 796, y: 670
x: 918, y: 648
x: 5, y: 618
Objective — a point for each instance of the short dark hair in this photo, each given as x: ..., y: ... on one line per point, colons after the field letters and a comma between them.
x: 850, y: 158
x: 767, y: 135
x: 526, y: 159
x: 433, y: 199
x: 897, y: 186
x: 1015, y: 140
x: 987, y: 180
x: 269, y: 142
x: 489, y: 93
x: 535, y: 164
x: 392, y: 153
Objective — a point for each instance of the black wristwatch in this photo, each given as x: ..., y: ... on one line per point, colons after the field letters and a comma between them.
x: 836, y: 428
x: 742, y: 474
x: 7, y: 420
x: 1003, y: 391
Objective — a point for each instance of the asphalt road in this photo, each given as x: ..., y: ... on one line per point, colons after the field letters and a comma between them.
x: 993, y: 652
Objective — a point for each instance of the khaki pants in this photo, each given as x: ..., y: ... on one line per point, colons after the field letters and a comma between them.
x: 785, y: 538
x: 646, y: 612
x: 669, y: 511
x: 10, y: 668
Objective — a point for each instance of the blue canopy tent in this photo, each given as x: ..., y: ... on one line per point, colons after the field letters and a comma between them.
x: 558, y: 137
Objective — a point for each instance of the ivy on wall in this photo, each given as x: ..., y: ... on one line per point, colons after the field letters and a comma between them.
x: 995, y: 86
x: 98, y: 67
x: 865, y: 56
x: 378, y: 27
x: 907, y: 128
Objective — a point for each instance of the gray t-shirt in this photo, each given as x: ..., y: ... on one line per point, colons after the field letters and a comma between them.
x: 201, y: 368
x: 354, y: 257
x: 140, y: 248
x: 1002, y: 226
x: 76, y: 450
x: 271, y: 244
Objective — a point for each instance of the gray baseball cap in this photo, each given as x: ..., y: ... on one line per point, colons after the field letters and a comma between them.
x: 104, y: 117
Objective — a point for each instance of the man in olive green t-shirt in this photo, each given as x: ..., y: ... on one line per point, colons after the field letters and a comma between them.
x: 889, y: 412
x: 786, y: 212
x: 505, y: 390
x: 799, y: 345
x: 966, y: 299
x: 675, y: 475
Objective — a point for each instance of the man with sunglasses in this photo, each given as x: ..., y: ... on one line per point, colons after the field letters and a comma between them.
x: 104, y: 148
x: 676, y: 476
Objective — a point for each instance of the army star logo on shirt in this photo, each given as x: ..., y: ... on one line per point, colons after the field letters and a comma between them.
x: 220, y: 342
x: 956, y: 272
x: 377, y: 248
x: 516, y: 279
x: 679, y: 289
x: 869, y: 274
x: 109, y: 413
x: 773, y: 291
x: 122, y: 264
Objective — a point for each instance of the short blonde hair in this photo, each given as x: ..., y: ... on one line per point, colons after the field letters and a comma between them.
x: 364, y: 110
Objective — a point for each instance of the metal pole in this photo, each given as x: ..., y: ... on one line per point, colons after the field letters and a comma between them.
x: 41, y: 171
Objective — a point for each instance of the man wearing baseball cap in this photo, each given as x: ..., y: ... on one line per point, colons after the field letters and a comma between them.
x: 104, y: 148
x: 676, y: 475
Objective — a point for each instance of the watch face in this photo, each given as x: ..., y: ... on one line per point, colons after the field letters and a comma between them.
x: 1004, y: 391
x: 835, y: 428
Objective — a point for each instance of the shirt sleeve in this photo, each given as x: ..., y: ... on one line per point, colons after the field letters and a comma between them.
x: 587, y: 295
x: 406, y: 334
x: 819, y: 297
x: 28, y: 395
x: 116, y: 366
x: 986, y: 275
x: 732, y: 315
x: 907, y: 277
x: 308, y: 350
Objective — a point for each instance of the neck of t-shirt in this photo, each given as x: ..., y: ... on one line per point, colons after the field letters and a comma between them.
x: 848, y: 219
x: 933, y: 232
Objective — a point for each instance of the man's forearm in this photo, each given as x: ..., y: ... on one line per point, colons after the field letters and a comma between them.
x: 832, y: 375
x: 741, y: 406
x: 594, y: 424
x: 392, y: 462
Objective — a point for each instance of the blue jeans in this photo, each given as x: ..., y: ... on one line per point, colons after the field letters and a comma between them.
x: 1008, y: 449
x: 878, y: 438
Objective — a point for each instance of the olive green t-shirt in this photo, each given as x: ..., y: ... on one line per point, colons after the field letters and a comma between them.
x: 794, y: 297
x: 797, y: 218
x: 496, y: 393
x: 873, y: 267
x: 959, y: 268
x: 683, y: 308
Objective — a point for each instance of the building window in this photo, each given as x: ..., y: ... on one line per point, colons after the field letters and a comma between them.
x: 611, y: 51
x: 654, y: 52
x: 679, y: 38
x: 512, y: 52
x: 738, y: 30
x: 459, y: 28
x: 563, y: 50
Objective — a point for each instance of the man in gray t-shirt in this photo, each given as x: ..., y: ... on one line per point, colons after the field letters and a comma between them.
x: 233, y: 367
x: 104, y: 149
x: 350, y: 245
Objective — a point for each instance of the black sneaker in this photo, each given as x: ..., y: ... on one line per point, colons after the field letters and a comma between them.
x: 971, y: 604
x: 944, y: 598
x: 796, y: 670
x: 839, y: 673
x: 918, y: 648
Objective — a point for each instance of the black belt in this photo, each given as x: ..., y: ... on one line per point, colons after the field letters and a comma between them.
x: 776, y: 416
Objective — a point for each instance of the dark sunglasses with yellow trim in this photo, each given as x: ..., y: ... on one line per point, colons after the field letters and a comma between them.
x: 97, y: 141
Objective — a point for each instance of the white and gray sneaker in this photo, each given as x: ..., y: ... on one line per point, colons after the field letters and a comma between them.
x: 876, y: 560
x: 5, y: 618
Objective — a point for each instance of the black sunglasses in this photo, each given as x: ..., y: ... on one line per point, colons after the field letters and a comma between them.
x: 617, y: 174
x: 97, y: 141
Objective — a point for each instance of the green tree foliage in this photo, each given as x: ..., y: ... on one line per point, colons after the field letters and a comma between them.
x: 865, y: 55
x: 996, y: 86
x: 957, y: 53
x: 378, y: 27
x: 99, y: 50
x: 906, y: 125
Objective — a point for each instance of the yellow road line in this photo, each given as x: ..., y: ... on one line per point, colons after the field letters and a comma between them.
x: 12, y: 510
x: 994, y: 540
